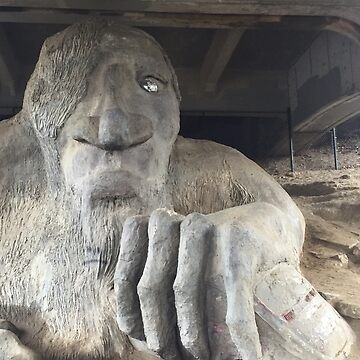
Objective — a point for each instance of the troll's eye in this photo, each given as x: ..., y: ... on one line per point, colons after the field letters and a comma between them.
x: 151, y: 84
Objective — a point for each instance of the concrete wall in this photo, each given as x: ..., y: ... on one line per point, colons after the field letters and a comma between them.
x: 328, y: 70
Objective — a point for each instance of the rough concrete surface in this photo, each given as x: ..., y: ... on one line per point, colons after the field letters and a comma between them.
x: 99, y: 196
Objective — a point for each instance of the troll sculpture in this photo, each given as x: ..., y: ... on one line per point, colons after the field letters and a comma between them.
x: 120, y: 239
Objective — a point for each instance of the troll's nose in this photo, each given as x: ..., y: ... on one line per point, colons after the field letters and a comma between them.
x: 118, y: 130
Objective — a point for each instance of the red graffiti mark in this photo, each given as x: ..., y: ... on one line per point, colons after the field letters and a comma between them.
x: 310, y: 295
x: 218, y: 328
x: 289, y: 316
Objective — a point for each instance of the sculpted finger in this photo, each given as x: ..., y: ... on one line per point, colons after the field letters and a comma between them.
x: 239, y: 261
x: 130, y: 265
x: 195, y: 235
x: 155, y: 286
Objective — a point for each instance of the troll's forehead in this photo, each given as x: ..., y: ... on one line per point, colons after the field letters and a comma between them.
x: 67, y: 59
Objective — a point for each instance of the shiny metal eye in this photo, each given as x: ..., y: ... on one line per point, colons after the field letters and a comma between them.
x: 150, y: 85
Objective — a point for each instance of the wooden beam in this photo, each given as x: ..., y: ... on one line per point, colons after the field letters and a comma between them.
x: 345, y: 9
x: 224, y: 6
x: 146, y: 19
x: 218, y: 56
x: 7, y: 65
x: 165, y: 19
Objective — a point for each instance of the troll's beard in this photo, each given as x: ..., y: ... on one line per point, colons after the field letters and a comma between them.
x: 81, y: 296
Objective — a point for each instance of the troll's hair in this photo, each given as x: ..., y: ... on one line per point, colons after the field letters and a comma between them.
x: 60, y: 79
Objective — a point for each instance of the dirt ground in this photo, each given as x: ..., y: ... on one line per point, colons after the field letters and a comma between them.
x: 330, y: 201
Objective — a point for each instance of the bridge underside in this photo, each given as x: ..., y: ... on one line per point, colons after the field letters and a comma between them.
x: 241, y: 69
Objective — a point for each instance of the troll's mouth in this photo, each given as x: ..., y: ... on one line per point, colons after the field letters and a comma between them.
x: 112, y: 146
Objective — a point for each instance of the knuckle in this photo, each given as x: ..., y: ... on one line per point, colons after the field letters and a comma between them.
x: 196, y: 226
x: 229, y: 230
x: 195, y: 219
x: 159, y: 213
x: 144, y: 293
x: 143, y: 288
x: 147, y: 289
x: 134, y: 221
x: 163, y: 213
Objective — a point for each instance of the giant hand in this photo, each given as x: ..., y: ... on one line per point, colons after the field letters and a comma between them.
x: 195, y: 278
x: 156, y: 257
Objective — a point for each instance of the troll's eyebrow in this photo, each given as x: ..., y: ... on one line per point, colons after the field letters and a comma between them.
x: 155, y: 76
x: 153, y: 66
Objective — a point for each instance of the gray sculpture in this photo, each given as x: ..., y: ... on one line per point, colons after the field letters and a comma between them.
x: 115, y: 232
